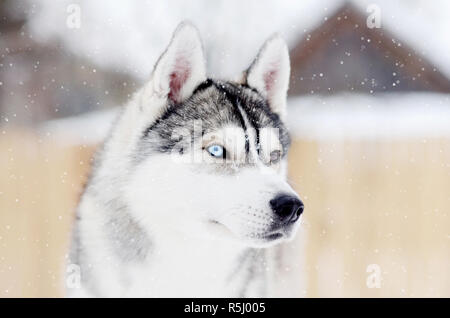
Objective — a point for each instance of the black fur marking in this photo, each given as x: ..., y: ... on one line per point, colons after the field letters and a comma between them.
x: 163, y: 117
x: 209, y: 82
x: 249, y: 87
x: 214, y: 104
x: 201, y: 87
x: 235, y: 101
x: 259, y: 114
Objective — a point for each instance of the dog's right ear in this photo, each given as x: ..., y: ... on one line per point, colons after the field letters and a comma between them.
x: 181, y: 67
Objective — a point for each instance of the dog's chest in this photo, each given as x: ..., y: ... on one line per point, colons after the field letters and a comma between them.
x: 190, y: 270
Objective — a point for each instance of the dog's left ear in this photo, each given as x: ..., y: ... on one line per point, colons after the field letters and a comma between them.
x: 269, y: 73
x: 181, y: 67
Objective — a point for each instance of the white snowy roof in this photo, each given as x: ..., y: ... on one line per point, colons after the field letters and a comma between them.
x: 346, y: 116
x: 363, y: 116
x: 87, y: 129
x: 129, y: 35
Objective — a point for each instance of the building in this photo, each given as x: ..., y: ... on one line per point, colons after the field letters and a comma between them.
x: 344, y: 54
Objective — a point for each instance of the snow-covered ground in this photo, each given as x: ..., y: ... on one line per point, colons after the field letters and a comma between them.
x: 87, y: 129
x: 346, y: 116
x: 359, y: 116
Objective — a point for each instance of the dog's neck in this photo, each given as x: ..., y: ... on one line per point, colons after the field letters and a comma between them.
x: 188, y: 265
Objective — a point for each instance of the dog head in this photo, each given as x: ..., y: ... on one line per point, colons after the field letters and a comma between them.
x: 211, y: 157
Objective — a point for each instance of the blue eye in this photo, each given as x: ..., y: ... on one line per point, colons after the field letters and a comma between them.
x: 216, y: 151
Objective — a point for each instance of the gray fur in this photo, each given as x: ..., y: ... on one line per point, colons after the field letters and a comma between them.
x: 129, y: 240
x: 214, y: 107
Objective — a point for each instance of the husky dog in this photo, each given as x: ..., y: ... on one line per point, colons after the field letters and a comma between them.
x: 188, y: 197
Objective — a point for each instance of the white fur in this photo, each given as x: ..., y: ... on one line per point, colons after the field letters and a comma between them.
x: 200, y: 219
x: 269, y: 73
x: 184, y: 54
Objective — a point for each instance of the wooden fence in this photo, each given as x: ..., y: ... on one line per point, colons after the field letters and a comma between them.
x: 370, y: 205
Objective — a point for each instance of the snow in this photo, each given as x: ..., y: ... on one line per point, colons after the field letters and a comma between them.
x: 360, y: 116
x: 345, y: 117
x: 130, y: 35
x: 87, y: 129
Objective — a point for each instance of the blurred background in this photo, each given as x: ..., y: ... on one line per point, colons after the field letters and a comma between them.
x: 369, y: 112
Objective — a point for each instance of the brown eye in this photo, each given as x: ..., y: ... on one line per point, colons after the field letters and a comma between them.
x: 275, y: 156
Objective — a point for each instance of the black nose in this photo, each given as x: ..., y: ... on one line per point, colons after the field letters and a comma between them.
x: 287, y: 207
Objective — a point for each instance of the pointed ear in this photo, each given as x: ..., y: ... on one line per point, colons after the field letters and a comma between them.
x: 269, y: 73
x: 181, y: 67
